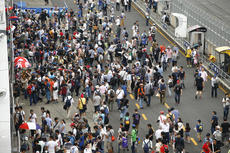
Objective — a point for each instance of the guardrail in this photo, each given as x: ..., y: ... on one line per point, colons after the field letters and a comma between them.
x: 180, y: 42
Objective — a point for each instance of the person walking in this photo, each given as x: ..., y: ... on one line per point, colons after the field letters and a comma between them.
x: 199, y: 83
x: 162, y: 91
x: 170, y: 85
x: 147, y: 144
x: 199, y: 129
x: 178, y: 92
x: 225, y: 126
x: 214, y: 84
x: 179, y: 143
x: 226, y: 104
x: 68, y: 103
x: 136, y: 118
x: 141, y: 95
x: 82, y: 105
x: 133, y: 138
x: 214, y: 121
x: 149, y: 91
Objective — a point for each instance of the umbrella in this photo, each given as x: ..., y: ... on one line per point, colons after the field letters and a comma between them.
x: 13, y: 18
x: 30, y: 126
x: 20, y: 59
x: 22, y: 64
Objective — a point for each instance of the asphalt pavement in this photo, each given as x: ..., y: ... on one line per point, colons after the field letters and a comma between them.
x: 190, y: 109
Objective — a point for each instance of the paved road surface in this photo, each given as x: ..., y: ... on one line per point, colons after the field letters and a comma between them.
x: 190, y: 109
x: 217, y: 8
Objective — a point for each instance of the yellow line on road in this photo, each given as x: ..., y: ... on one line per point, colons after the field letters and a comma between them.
x: 138, y: 107
x: 167, y: 106
x: 194, y: 142
x: 183, y: 128
x: 143, y: 115
x: 131, y: 96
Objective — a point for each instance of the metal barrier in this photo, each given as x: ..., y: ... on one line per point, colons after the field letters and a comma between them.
x: 214, y: 69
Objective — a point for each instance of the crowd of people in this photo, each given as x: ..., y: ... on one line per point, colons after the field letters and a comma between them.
x: 88, y: 56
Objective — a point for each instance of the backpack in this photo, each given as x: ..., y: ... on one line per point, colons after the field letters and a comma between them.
x: 127, y: 122
x: 126, y: 34
x: 124, y: 142
x: 200, y: 128
x: 166, y: 149
x: 106, y: 120
x: 112, y: 95
x: 146, y: 146
x: 162, y: 87
x: 68, y: 102
x: 25, y: 146
x: 137, y: 117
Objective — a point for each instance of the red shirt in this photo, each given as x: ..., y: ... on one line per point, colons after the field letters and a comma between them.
x: 206, y: 147
x: 29, y: 89
x: 162, y: 149
x: 162, y: 47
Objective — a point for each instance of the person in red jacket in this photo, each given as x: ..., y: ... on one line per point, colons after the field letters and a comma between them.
x: 206, y: 147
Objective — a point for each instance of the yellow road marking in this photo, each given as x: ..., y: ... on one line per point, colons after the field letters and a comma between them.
x: 183, y: 128
x: 138, y: 107
x: 131, y: 96
x: 143, y: 115
x: 167, y: 106
x: 194, y: 142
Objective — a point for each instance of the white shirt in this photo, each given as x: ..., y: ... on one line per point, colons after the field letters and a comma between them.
x: 226, y: 101
x: 158, y: 133
x: 204, y: 75
x: 149, y: 142
x: 118, y: 22
x: 33, y: 118
x: 165, y: 127
x: 102, y: 134
x: 74, y: 149
x: 55, y: 85
x: 158, y: 146
x: 51, y: 146
x: 120, y: 93
x: 161, y: 118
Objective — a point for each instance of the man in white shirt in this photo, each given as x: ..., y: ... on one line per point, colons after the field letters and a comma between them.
x: 158, y: 133
x: 161, y: 118
x: 33, y: 116
x: 165, y: 128
x: 120, y: 95
x: 118, y: 21
x: 51, y: 145
x: 68, y: 99
x: 147, y: 144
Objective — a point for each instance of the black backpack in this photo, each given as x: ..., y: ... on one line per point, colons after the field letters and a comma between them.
x: 106, y: 120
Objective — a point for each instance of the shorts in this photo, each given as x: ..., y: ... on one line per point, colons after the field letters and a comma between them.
x: 199, y: 88
x: 187, y: 134
x: 189, y: 59
x: 81, y: 111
